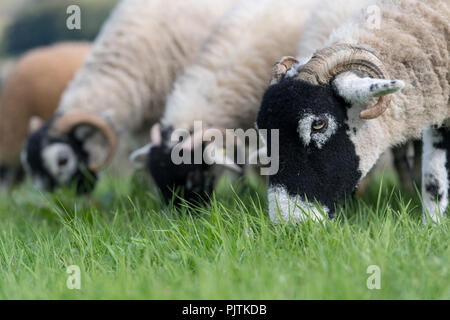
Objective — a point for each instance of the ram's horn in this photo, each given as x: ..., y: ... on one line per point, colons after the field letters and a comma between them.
x: 377, y: 109
x: 331, y: 61
x: 67, y: 122
x: 281, y: 67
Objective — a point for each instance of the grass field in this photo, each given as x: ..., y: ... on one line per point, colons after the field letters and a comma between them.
x: 128, y: 245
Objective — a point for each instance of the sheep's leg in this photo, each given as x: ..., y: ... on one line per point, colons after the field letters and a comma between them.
x: 435, y: 171
x: 417, y: 162
x: 408, y: 167
x: 402, y: 167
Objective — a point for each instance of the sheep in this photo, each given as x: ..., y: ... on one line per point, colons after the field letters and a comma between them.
x: 120, y: 90
x: 33, y: 87
x: 318, y: 28
x: 222, y: 90
x: 331, y: 134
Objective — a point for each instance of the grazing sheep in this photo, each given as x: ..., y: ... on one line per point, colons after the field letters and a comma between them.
x: 33, y: 87
x: 336, y: 115
x: 223, y: 89
x: 120, y: 90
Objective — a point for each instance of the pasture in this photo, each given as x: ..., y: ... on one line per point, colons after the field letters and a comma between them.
x: 129, y: 245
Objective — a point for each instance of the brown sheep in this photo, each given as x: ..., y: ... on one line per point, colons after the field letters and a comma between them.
x: 33, y: 88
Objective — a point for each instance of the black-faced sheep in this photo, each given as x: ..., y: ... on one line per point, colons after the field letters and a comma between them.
x: 33, y: 88
x: 336, y: 115
x: 120, y: 90
x: 314, y: 36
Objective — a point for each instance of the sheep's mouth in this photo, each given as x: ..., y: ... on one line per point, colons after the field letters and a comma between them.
x: 284, y: 207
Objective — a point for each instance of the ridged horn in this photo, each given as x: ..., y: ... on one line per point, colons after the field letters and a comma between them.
x: 331, y: 61
x: 67, y: 122
x: 281, y: 67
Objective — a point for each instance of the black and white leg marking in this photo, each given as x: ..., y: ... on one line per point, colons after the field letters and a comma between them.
x: 435, y: 171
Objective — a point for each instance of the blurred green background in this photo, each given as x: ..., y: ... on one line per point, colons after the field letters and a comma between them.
x: 25, y: 24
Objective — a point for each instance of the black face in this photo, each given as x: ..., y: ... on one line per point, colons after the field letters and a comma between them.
x: 192, y: 182
x: 64, y: 167
x: 316, y: 156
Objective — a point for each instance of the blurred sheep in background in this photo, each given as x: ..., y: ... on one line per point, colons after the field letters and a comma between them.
x: 120, y: 91
x: 33, y: 87
x: 223, y: 90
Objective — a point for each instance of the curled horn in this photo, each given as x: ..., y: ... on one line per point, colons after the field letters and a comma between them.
x: 329, y: 62
x: 69, y: 121
x: 281, y: 68
x: 376, y: 110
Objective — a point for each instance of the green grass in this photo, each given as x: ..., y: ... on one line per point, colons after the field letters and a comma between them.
x: 129, y: 245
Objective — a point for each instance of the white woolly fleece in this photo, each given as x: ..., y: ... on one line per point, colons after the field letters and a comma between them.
x: 326, y: 16
x: 410, y: 32
x: 224, y: 87
x: 434, y: 172
x: 135, y: 59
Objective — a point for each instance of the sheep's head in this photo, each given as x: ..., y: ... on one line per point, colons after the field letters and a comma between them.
x: 319, y: 107
x: 68, y: 151
x: 190, y: 178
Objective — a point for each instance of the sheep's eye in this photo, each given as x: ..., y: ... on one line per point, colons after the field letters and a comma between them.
x: 318, y: 125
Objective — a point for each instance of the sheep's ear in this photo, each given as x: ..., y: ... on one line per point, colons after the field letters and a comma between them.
x: 35, y: 124
x: 156, y: 135
x: 359, y: 91
x: 139, y: 157
x: 216, y: 155
x: 280, y: 69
